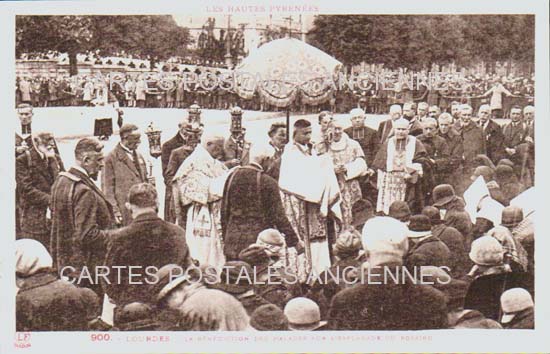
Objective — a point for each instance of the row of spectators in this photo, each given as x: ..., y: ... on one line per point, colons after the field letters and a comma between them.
x: 146, y: 91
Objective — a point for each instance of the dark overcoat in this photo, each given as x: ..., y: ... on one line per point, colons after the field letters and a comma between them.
x: 81, y: 220
x: 251, y: 203
x: 148, y: 241
x: 35, y: 176
x: 46, y: 303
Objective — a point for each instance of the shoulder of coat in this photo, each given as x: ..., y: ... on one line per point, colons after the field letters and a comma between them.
x: 70, y: 176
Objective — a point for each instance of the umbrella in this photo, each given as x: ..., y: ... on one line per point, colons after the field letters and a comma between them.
x: 283, y: 69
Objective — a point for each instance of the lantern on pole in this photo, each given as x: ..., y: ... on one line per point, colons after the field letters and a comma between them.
x: 194, y: 113
x: 236, y: 128
x: 236, y: 119
x: 153, y: 135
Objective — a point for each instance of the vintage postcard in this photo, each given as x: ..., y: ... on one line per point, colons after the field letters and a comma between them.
x: 254, y: 176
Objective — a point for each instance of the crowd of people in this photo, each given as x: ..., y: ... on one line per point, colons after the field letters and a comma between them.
x: 376, y: 95
x: 253, y: 235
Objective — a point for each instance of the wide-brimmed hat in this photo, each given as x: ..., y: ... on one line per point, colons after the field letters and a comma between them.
x: 269, y: 318
x: 303, y: 315
x: 169, y: 277
x: 443, y: 194
x: 419, y: 226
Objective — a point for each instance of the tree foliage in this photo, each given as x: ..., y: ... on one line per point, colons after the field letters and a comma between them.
x: 144, y: 36
x: 417, y: 41
x: 157, y: 37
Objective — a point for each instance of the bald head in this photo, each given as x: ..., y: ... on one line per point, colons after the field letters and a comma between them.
x: 357, y: 112
x: 262, y: 154
x: 213, y: 143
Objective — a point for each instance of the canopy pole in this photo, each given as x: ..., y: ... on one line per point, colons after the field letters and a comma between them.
x: 288, y: 124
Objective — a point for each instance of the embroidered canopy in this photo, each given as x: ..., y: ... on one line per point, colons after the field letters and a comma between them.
x: 282, y: 69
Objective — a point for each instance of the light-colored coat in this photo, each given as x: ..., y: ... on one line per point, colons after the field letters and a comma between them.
x: 141, y: 90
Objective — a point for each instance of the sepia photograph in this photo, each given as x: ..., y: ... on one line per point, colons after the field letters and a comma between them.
x: 274, y: 170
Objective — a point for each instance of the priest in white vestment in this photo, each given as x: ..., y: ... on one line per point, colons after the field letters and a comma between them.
x: 399, y: 168
x: 309, y: 191
x: 198, y: 189
x: 349, y: 164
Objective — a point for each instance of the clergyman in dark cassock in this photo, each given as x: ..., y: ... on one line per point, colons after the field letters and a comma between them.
x: 188, y: 134
x: 167, y: 148
x: 438, y: 153
x: 453, y: 173
x: 192, y: 134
